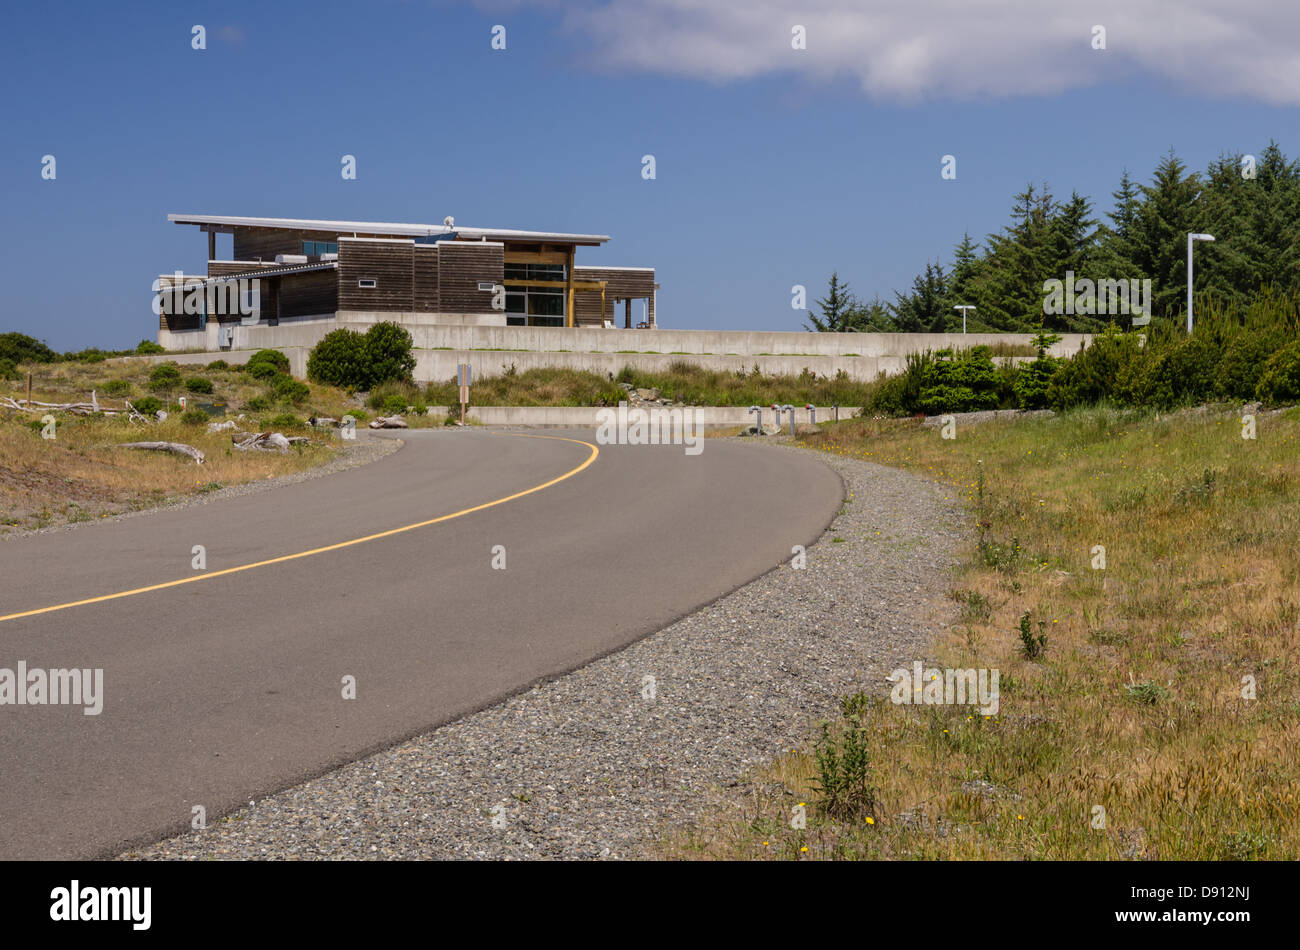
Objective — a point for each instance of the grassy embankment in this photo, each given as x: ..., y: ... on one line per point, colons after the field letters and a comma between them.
x: 81, y: 476
x: 1137, y: 704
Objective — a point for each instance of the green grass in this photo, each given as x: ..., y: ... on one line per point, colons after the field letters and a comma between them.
x: 1137, y: 701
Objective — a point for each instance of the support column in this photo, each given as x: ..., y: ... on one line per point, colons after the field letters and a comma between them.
x: 568, y: 291
x: 212, y: 245
x: 627, y: 314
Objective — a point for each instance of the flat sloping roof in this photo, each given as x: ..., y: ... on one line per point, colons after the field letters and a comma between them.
x: 385, y: 227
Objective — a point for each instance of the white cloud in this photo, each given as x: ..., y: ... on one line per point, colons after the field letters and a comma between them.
x: 908, y: 50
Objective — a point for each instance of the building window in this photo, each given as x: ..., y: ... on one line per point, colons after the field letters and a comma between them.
x: 367, y: 283
x: 534, y: 271
x: 317, y: 248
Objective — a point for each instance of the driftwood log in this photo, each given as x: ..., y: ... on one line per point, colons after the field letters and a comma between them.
x: 266, y: 441
x: 388, y: 422
x: 177, y: 448
x: 76, y: 408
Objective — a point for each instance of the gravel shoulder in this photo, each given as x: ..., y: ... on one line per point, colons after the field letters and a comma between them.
x: 604, y: 762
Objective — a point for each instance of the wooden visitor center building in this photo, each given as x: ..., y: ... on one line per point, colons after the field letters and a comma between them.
x: 316, y: 271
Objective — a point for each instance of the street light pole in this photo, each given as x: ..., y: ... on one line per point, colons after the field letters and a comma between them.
x: 1191, y: 237
x: 963, y: 308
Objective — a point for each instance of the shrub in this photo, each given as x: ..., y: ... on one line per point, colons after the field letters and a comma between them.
x: 900, y: 395
x: 8, y: 370
x: 387, y: 353
x: 258, y: 404
x: 393, y: 406
x: 1031, y: 645
x: 277, y: 360
x: 149, y: 347
x: 1280, y: 380
x: 338, y: 359
x: 959, y: 382
x: 197, y: 384
x: 1174, y: 374
x: 844, y: 776
x: 263, y: 370
x: 117, y: 387
x: 165, y: 376
x: 286, y: 387
x: 1033, y: 382
x: 147, y: 405
x: 285, y: 420
x: 21, y: 348
x: 218, y: 364
x: 194, y: 417
x: 1090, y: 376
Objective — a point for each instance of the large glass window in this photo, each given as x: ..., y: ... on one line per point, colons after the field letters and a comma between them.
x: 316, y: 248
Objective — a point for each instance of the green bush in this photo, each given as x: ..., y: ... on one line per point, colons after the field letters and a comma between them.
x: 1244, y: 358
x: 8, y: 370
x: 149, y: 347
x: 147, y: 405
x: 117, y: 387
x: 1033, y: 382
x: 218, y: 364
x: 21, y: 348
x: 197, y: 384
x: 1089, y: 377
x: 1174, y: 374
x: 288, y: 388
x: 393, y: 406
x: 194, y: 417
x: 285, y: 420
x: 387, y: 352
x: 959, y: 382
x: 258, y: 404
x: 1280, y: 381
x: 264, y: 371
x: 338, y: 360
x: 277, y: 360
x: 165, y: 376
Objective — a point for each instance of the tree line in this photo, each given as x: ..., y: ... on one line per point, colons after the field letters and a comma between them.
x: 1251, y: 204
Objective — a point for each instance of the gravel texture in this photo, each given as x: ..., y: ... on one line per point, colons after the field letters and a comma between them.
x: 361, y: 451
x: 584, y: 766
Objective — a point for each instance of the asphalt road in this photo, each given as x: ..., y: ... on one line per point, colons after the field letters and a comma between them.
x: 230, y: 687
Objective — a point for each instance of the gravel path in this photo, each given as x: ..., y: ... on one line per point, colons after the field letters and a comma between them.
x: 585, y: 766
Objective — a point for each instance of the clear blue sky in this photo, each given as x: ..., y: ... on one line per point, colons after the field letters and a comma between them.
x: 774, y: 166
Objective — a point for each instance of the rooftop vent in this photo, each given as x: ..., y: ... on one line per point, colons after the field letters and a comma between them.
x: 291, y: 258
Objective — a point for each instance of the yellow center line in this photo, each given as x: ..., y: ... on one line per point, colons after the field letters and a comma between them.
x: 330, y: 547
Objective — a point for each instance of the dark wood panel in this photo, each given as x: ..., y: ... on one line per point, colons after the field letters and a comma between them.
x: 461, y: 265
x: 389, y: 263
x: 425, y: 289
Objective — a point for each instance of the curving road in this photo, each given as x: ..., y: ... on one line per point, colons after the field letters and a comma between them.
x: 221, y: 687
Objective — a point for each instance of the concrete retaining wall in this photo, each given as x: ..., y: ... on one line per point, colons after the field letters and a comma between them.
x: 491, y: 349
x: 569, y: 417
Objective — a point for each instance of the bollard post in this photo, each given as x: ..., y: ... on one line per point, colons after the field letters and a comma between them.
x: 836, y: 407
x: 789, y: 409
x: 759, y: 422
x: 812, y: 413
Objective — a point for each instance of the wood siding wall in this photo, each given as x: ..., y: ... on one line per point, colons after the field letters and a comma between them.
x: 304, y: 295
x: 391, y: 264
x: 621, y: 283
x: 461, y: 265
x: 426, y: 278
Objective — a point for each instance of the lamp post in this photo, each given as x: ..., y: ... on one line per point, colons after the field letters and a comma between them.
x: 1191, y: 237
x: 963, y: 308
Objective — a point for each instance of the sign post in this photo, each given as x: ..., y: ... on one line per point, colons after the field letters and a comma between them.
x: 464, y: 377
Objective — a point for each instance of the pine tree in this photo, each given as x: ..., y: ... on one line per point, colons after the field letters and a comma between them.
x: 838, y: 308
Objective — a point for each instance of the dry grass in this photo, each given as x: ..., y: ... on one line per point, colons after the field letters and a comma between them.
x: 80, y: 475
x: 1137, y: 704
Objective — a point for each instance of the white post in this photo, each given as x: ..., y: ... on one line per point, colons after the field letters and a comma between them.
x: 963, y: 308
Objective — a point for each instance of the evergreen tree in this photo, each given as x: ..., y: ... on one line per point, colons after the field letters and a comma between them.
x: 838, y: 308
